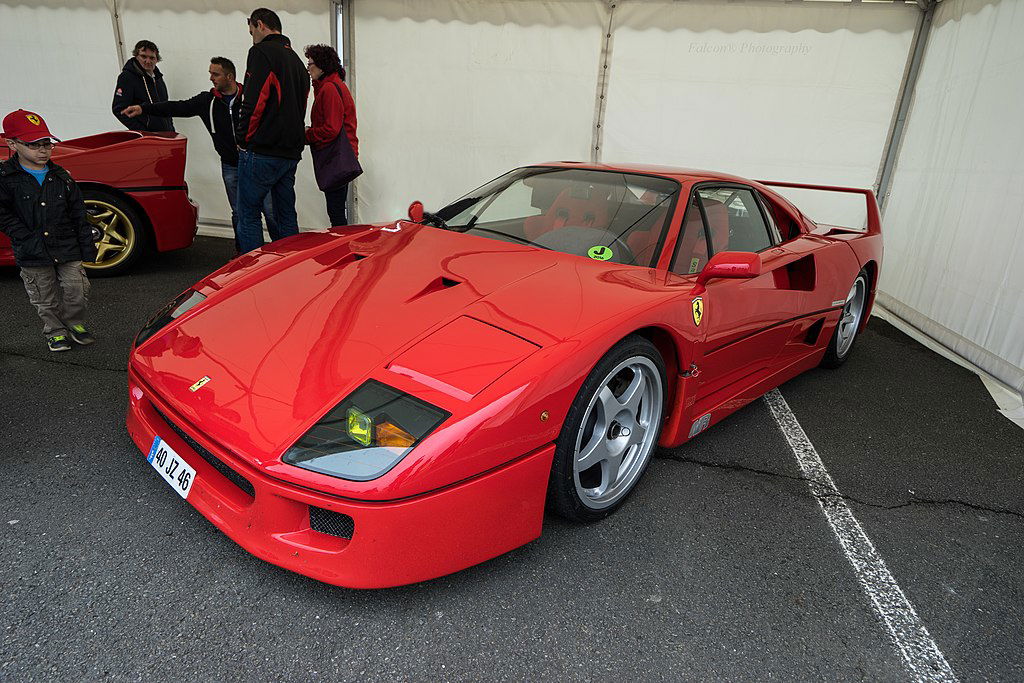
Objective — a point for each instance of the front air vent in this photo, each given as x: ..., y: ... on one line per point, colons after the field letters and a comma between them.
x: 331, y: 523
x: 217, y: 464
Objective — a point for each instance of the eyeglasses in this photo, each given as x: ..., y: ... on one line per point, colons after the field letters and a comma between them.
x: 39, y: 144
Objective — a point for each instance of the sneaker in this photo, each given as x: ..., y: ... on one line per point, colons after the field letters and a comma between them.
x: 81, y: 335
x: 58, y: 342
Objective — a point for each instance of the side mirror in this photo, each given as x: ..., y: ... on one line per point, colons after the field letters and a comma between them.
x: 730, y: 264
x: 416, y: 211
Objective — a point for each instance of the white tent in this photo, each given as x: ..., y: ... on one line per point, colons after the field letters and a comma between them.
x: 918, y: 99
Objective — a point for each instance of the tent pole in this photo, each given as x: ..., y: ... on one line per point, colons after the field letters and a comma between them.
x: 906, y: 96
x: 602, y: 86
x: 115, y: 17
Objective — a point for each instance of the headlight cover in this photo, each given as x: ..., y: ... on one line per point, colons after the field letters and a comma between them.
x: 184, y: 301
x: 365, y: 435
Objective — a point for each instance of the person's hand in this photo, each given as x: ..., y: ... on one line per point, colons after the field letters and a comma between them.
x: 132, y: 111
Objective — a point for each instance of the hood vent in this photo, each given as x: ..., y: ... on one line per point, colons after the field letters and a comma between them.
x: 437, y: 285
x: 344, y: 260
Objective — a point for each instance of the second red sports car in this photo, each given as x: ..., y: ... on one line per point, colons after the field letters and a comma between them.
x: 381, y: 404
x: 135, y: 194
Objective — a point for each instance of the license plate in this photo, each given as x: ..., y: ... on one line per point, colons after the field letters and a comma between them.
x: 172, y: 467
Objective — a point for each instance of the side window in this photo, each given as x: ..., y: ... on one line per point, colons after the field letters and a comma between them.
x: 692, y: 248
x: 734, y: 219
x: 773, y: 229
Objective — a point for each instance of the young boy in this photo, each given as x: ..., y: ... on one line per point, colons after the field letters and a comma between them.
x: 42, y: 211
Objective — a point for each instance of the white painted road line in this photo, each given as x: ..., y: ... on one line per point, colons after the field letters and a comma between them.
x: 920, y: 653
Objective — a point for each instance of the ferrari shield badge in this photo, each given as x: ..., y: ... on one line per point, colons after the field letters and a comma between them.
x: 199, y: 385
x: 698, y: 310
x: 33, y: 119
x: 600, y: 252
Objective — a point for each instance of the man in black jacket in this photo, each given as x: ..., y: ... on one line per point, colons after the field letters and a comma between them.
x: 218, y: 109
x: 42, y: 211
x: 271, y: 130
x: 141, y: 82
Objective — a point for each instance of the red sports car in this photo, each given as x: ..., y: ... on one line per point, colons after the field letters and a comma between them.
x: 135, y: 194
x: 377, y: 405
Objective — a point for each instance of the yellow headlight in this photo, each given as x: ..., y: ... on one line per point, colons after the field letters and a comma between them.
x: 360, y: 426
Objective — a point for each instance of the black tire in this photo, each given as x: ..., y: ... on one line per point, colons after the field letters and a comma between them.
x: 125, y: 233
x: 840, y: 346
x: 628, y: 437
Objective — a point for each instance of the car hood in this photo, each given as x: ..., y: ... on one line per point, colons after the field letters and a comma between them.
x: 284, y: 342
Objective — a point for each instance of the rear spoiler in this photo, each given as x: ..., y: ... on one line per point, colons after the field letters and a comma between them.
x: 874, y: 223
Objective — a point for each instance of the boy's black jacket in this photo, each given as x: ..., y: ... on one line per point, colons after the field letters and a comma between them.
x: 135, y: 86
x: 46, y: 223
x: 272, y: 113
x: 212, y: 108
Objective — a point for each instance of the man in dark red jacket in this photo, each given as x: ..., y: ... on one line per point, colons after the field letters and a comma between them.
x: 270, y: 131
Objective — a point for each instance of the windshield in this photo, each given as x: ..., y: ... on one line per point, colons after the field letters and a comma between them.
x: 603, y: 215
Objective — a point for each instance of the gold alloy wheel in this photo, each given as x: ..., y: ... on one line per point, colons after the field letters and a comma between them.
x: 118, y: 234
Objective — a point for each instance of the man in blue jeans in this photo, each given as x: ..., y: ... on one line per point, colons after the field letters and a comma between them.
x: 218, y: 110
x: 270, y: 132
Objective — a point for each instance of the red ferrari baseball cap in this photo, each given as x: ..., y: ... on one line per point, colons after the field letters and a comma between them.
x: 26, y: 126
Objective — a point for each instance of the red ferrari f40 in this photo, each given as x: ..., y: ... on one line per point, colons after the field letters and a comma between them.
x: 381, y: 404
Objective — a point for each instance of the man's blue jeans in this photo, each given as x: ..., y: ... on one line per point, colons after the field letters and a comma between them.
x: 230, y: 175
x: 260, y: 175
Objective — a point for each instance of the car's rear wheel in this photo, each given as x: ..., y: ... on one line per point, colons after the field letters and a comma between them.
x: 610, y: 432
x: 845, y: 334
x: 122, y: 233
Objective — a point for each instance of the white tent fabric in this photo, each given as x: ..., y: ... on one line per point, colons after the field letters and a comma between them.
x: 46, y: 75
x: 802, y: 92
x: 453, y: 93
x: 954, y: 222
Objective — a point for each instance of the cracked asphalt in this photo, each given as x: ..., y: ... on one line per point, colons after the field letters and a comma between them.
x: 721, y: 566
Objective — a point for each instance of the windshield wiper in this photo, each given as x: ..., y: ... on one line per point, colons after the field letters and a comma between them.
x: 435, y: 220
x: 512, y: 237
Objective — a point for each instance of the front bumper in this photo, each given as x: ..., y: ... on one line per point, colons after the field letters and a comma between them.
x: 390, y: 543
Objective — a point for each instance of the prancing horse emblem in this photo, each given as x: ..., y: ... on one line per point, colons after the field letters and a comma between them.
x: 199, y: 385
x: 698, y: 310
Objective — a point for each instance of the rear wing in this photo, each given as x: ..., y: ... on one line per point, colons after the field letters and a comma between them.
x: 874, y: 220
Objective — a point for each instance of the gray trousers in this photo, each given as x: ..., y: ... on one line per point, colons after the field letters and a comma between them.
x: 60, y: 294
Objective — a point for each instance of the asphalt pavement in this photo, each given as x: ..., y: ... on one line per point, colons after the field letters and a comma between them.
x: 721, y: 566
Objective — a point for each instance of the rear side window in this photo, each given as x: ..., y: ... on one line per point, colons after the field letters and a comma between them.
x: 734, y: 219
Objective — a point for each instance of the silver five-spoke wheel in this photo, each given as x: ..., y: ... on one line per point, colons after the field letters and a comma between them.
x: 850, y: 321
x: 610, y: 432
x: 616, y: 438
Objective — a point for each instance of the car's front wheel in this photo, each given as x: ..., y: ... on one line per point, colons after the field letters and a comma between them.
x: 610, y: 432
x: 122, y: 235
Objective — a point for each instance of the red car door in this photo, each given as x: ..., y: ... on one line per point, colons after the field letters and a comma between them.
x: 747, y: 322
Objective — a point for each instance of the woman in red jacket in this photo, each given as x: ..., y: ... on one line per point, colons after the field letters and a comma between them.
x: 333, y: 112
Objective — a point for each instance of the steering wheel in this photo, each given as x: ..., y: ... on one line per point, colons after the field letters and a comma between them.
x: 580, y: 240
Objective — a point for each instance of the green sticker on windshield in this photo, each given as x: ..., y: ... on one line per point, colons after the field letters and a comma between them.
x: 600, y: 252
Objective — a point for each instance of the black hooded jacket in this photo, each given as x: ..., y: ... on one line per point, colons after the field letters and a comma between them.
x: 212, y: 107
x: 46, y: 223
x: 272, y: 115
x: 135, y: 86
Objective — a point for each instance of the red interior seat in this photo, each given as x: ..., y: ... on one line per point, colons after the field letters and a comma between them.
x: 591, y: 212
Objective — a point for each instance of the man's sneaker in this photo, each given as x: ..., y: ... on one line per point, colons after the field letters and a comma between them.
x: 81, y: 335
x: 58, y: 342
